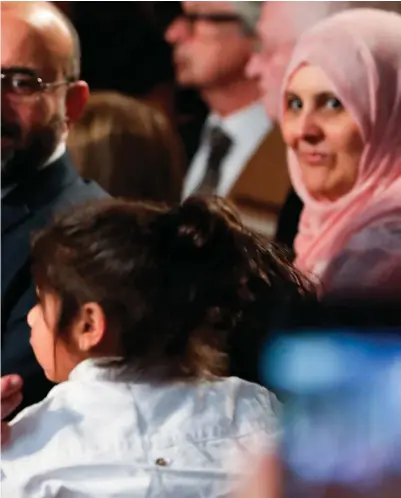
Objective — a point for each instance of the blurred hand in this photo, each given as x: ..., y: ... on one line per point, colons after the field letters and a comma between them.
x: 11, y: 397
x: 268, y: 482
x: 265, y: 481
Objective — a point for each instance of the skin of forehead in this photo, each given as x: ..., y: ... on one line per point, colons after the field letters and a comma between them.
x: 208, y: 7
x: 44, y: 27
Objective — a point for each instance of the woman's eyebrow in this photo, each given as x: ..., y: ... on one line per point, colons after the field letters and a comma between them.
x: 290, y: 93
x: 321, y: 96
x: 325, y: 95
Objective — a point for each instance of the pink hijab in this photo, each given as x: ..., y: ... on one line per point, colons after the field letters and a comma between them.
x: 360, y: 52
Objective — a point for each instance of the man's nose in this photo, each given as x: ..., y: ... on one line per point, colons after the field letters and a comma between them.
x: 5, y: 100
x: 254, y: 66
x: 177, y: 31
x: 8, y: 108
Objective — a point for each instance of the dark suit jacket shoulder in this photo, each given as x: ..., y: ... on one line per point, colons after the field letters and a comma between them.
x: 27, y: 208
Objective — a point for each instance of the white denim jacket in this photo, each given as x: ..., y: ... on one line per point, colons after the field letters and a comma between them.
x: 99, y: 436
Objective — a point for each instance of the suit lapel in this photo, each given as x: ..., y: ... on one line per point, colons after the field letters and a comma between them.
x: 37, y: 191
x: 24, y: 210
x: 12, y: 215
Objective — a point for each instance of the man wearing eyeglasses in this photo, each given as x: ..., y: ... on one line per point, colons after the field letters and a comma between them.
x: 241, y: 155
x: 41, y: 97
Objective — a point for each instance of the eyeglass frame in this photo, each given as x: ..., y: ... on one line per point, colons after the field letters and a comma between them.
x: 217, y: 18
x: 43, y: 86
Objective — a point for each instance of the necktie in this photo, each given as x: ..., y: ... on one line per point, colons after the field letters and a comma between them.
x: 220, y: 144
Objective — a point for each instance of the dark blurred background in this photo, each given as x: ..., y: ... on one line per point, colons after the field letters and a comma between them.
x: 123, y: 49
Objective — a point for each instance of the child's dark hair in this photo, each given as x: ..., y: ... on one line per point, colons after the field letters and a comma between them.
x: 174, y: 284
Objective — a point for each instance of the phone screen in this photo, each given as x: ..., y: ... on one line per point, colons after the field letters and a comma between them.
x: 340, y: 380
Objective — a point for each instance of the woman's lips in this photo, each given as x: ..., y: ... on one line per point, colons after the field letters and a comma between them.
x: 313, y: 158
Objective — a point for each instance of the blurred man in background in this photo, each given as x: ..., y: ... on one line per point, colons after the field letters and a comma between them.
x: 241, y: 155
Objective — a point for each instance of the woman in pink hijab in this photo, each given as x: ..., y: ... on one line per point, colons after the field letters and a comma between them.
x: 341, y: 120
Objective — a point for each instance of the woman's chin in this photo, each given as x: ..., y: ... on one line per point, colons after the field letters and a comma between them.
x: 320, y: 193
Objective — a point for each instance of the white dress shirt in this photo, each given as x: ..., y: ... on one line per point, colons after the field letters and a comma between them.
x: 246, y: 128
x: 102, y: 435
x: 58, y: 152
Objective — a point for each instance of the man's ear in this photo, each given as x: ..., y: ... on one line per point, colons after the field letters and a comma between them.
x: 91, y: 327
x: 77, y: 96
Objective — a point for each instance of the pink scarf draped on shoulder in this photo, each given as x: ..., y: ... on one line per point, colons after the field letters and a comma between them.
x: 360, y: 52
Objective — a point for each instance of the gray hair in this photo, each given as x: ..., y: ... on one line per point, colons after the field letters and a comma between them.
x: 249, y: 12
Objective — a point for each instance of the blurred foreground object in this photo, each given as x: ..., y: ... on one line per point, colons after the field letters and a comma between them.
x: 338, y: 367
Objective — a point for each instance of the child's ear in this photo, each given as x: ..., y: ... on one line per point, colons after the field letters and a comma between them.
x: 91, y: 327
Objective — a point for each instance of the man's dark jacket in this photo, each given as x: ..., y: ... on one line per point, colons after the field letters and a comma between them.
x: 28, y: 207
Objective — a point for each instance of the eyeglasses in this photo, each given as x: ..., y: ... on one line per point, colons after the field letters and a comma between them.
x: 217, y: 18
x: 214, y: 18
x: 24, y: 83
x: 258, y: 46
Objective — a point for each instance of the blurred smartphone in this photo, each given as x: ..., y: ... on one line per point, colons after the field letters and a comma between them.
x: 337, y: 367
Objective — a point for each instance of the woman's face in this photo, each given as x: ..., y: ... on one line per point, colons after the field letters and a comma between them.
x: 322, y: 133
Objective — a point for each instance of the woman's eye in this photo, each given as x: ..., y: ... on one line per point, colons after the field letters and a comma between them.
x: 333, y: 103
x: 294, y: 103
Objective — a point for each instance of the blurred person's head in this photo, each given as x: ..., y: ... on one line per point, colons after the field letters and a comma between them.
x: 128, y: 147
x: 40, y: 88
x: 158, y: 289
x: 279, y: 27
x: 211, y: 46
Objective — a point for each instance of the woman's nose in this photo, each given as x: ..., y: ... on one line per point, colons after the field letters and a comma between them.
x: 308, y: 127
